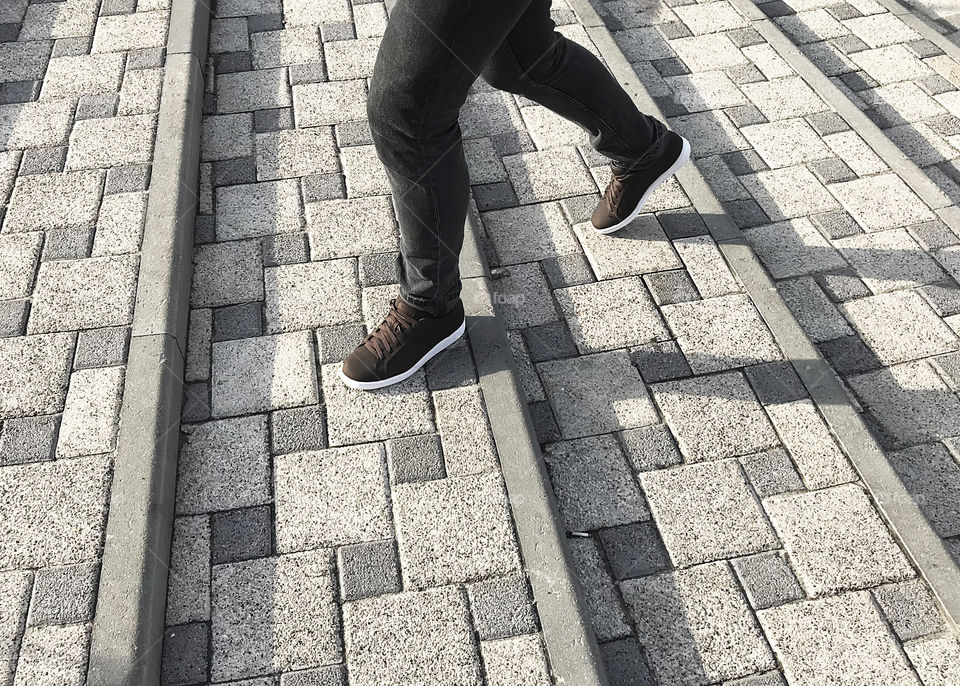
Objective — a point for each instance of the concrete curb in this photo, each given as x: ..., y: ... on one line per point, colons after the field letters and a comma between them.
x: 564, y: 617
x: 127, y: 636
x: 921, y: 543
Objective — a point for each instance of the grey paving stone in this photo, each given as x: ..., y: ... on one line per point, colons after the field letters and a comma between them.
x: 910, y: 608
x: 368, y: 569
x: 821, y: 321
x: 786, y: 143
x: 111, y: 142
x: 454, y: 530
x: 468, y: 446
x: 836, y: 540
x: 237, y: 321
x: 771, y: 472
x: 706, y: 53
x: 359, y: 416
x: 295, y: 152
x: 843, y: 286
x: 298, y: 429
x: 67, y: 244
x: 826, y: 123
x: 363, y: 171
x: 936, y: 659
x: 185, y: 654
x: 334, y: 343
x: 933, y: 235
x: 13, y: 317
x: 91, y: 412
x: 274, y: 614
x: 196, y: 402
x: 64, y: 595
x: 285, y: 249
x: 454, y: 368
x: 593, y: 484
x: 226, y: 274
x: 330, y: 675
x: 355, y: 226
x: 43, y: 160
x: 226, y: 136
x: 54, y: 201
x: 299, y: 45
x: 502, y: 607
x: 611, y: 314
x: 265, y: 373
x: 351, y: 59
x: 549, y: 342
x: 721, y: 333
x: 320, y: 187
x: 334, y: 102
x: 767, y: 580
x: 807, y: 437
x: 713, y: 131
x: 800, y: 631
x: 715, y: 416
x: 890, y: 260
x: 261, y: 90
x: 605, y: 609
x: 548, y: 174
x: 307, y: 73
x: 28, y: 439
x: 671, y: 287
x: 82, y: 74
x: 120, y: 225
x: 83, y: 294
x: 377, y: 269
x: 776, y: 382
x: 188, y: 588
x: 932, y: 475
x: 567, y: 270
x: 223, y: 465
x: 596, y: 394
x: 140, y: 92
x: 331, y: 497
x: 51, y: 513
x: 35, y: 124
x: 635, y: 550
x: 273, y: 120
x: 33, y: 374
x: 19, y: 255
x: 129, y: 179
x: 311, y: 294
x: 101, y: 347
x: 624, y: 662
x: 518, y: 661
x: 638, y: 248
x: 649, y: 447
x: 789, y: 193
x: 899, y: 326
x: 530, y: 232
x: 53, y: 654
x: 15, y: 588
x: 836, y: 224
x: 706, y: 266
x: 244, y: 534
x: 523, y: 297
x: 396, y: 639
x: 696, y: 626
x: 881, y: 202
x: 706, y: 512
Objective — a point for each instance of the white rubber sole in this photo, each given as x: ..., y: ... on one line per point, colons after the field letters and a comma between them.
x: 681, y: 160
x: 383, y: 383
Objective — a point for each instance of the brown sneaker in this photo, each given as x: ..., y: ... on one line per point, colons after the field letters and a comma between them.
x: 400, y: 345
x: 628, y: 191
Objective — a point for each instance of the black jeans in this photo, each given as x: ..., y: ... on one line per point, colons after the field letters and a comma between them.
x: 432, y: 52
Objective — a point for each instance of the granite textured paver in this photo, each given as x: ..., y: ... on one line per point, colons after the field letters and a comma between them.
x: 680, y: 448
x: 79, y: 95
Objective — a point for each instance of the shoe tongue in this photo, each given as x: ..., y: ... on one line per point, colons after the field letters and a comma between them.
x: 411, y: 311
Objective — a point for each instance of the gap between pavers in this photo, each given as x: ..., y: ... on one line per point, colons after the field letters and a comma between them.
x: 127, y: 634
x: 923, y: 546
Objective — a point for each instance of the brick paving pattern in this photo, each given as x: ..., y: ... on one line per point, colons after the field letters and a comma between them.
x: 323, y: 531
x: 80, y: 85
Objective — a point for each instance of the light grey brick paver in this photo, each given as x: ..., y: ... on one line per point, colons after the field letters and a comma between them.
x: 309, y: 295
x: 398, y: 639
x: 19, y: 255
x: 258, y: 209
x: 524, y: 298
x: 814, y: 450
x: 33, y: 374
x: 274, y: 614
x: 828, y: 553
x: 76, y: 75
x: 706, y: 512
x: 35, y: 124
x: 530, y: 232
x: 111, y: 142
x: 502, y: 607
x: 266, y: 373
x: 936, y: 659
x: 593, y: 484
x: 131, y: 31
x: 706, y: 266
x: 611, y: 314
x: 468, y: 446
x: 548, y: 174
x: 789, y: 193
x: 91, y: 413
x: 331, y: 497
x: 454, y: 530
x: 519, y: 661
x: 696, y: 625
x: 813, y: 641
x: 300, y: 45
x: 714, y: 416
x: 247, y: 91
x: 881, y: 202
x: 188, y: 587
x: 638, y: 248
x: 351, y: 227
x: 52, y: 655
x: 15, y: 589
x: 721, y: 333
x: 295, y: 152
x: 54, y: 201
x: 223, y: 465
x: 51, y: 513
x: 596, y: 394
x: 226, y: 273
x: 359, y: 416
x: 793, y: 248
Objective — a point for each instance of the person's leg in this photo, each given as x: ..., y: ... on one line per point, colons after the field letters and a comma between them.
x: 541, y: 64
x: 430, y: 55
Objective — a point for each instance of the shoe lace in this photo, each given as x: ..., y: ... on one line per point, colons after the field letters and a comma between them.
x: 613, y: 192
x: 390, y: 332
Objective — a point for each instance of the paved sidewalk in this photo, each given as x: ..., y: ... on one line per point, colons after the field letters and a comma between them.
x: 80, y: 87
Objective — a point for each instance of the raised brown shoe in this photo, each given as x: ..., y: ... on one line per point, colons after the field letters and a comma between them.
x: 628, y: 191
x: 400, y: 345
